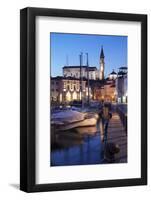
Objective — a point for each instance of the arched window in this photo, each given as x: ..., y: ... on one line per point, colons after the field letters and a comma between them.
x: 68, y: 96
x: 74, y: 96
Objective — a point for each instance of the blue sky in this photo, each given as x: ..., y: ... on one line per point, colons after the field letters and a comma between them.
x: 63, y: 46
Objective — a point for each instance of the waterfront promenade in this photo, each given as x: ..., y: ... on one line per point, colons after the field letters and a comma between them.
x: 118, y: 136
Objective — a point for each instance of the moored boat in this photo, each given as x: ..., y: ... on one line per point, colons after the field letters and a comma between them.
x: 72, y: 119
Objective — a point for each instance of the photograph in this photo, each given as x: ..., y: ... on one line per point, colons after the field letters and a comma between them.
x: 88, y: 99
x: 83, y: 99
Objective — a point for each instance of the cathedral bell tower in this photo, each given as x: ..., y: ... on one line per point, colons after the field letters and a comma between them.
x: 102, y: 65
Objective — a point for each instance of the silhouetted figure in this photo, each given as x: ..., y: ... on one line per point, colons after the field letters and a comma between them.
x: 105, y: 115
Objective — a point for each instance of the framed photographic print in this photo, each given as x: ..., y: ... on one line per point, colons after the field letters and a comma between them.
x: 83, y: 99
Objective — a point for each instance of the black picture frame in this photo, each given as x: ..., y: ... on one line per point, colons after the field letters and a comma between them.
x: 28, y: 99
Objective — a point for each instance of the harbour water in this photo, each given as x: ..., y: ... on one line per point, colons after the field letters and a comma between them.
x: 85, y: 145
x: 78, y: 146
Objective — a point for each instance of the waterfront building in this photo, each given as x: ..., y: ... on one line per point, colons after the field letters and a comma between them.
x: 108, y: 91
x: 77, y: 80
x: 112, y: 75
x: 74, y: 71
x: 103, y: 90
x: 121, y: 85
x: 67, y: 89
x: 85, y: 71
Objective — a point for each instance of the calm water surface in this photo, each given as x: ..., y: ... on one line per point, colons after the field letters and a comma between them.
x: 79, y: 146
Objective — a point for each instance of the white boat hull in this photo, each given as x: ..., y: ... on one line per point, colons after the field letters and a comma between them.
x: 72, y: 119
x: 86, y: 122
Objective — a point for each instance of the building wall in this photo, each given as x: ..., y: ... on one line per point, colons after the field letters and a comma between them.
x: 109, y: 93
x: 105, y: 94
x: 121, y: 89
x: 72, y: 72
x: 66, y: 90
x: 55, y: 89
x: 75, y: 72
x: 104, y: 91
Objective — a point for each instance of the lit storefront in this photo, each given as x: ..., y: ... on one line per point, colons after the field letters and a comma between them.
x: 67, y: 89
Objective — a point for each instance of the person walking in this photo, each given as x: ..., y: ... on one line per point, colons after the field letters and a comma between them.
x: 105, y: 116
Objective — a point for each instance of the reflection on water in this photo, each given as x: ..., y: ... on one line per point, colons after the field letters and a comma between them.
x: 78, y: 146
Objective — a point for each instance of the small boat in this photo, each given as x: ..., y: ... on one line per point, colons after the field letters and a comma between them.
x: 66, y: 116
x: 73, y: 119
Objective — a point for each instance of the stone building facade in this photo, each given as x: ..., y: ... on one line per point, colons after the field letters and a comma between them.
x: 121, y: 85
x: 74, y: 71
x: 104, y: 91
x: 74, y: 84
x: 67, y: 89
x: 86, y: 72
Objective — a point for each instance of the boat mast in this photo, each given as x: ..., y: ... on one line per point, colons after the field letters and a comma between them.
x: 80, y: 76
x: 67, y: 60
x: 81, y: 89
x: 88, y: 79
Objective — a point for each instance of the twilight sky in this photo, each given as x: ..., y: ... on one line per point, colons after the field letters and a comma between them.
x: 66, y: 46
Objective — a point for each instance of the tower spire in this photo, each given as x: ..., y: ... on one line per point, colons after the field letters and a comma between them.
x: 102, y: 52
x: 102, y: 64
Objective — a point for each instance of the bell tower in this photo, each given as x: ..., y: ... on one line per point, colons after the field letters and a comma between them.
x: 102, y: 65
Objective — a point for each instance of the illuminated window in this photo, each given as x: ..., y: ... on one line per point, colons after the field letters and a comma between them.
x: 60, y: 97
x: 124, y: 99
x: 68, y: 96
x: 74, y: 96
